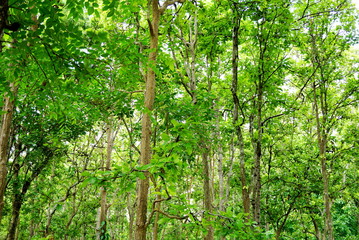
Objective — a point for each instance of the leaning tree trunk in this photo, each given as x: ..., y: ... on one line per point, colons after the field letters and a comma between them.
x: 8, y: 109
x: 16, y: 204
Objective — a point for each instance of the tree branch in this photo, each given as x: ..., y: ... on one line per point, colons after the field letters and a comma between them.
x: 168, y: 3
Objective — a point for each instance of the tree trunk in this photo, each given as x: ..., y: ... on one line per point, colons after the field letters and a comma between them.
x: 257, y: 178
x: 236, y: 124
x: 256, y: 130
x: 322, y: 133
x: 8, y: 109
x: 16, y: 204
x: 322, y: 144
x: 131, y: 213
x: 15, y: 215
x: 101, y: 222
x: 207, y: 193
x: 157, y: 216
x: 146, y: 153
x: 221, y: 180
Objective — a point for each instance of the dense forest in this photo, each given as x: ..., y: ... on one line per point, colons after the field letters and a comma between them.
x: 179, y: 119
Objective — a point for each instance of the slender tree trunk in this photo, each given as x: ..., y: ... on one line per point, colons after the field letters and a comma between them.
x: 157, y: 216
x: 322, y: 133
x: 322, y: 144
x: 256, y: 130
x: 146, y: 153
x: 316, y: 229
x: 257, y: 167
x: 8, y: 109
x: 16, y: 206
x: 237, y: 125
x: 102, y: 222
x: 19, y: 194
x: 49, y: 219
x: 207, y: 192
x: 131, y: 213
x: 222, y: 198
x: 221, y: 179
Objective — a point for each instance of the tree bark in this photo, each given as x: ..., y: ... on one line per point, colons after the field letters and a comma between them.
x: 157, y: 216
x: 236, y: 123
x: 322, y: 133
x: 8, y: 109
x: 207, y: 193
x: 256, y: 131
x: 130, y: 208
x: 102, y: 222
x: 16, y: 207
x: 146, y: 152
x: 322, y: 144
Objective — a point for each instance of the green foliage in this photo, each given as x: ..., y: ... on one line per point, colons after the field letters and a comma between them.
x: 80, y: 63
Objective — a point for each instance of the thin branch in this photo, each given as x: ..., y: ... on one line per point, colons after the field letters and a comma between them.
x: 271, y: 117
x: 171, y: 216
x: 130, y: 135
x: 168, y: 3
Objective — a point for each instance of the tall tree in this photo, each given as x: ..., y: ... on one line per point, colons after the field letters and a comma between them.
x: 7, y: 109
x: 155, y: 11
x: 326, y: 46
x: 237, y: 15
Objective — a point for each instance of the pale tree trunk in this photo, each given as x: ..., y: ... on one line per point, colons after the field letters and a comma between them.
x: 222, y: 200
x: 157, y: 216
x: 230, y: 171
x: 189, y: 56
x: 8, y: 109
x: 131, y: 213
x: 102, y: 222
x: 146, y: 153
x: 190, y: 67
x: 236, y: 108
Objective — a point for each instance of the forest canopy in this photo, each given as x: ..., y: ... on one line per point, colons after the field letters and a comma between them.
x: 179, y: 119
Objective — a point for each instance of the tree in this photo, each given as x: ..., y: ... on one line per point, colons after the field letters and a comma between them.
x: 326, y: 47
x: 155, y: 11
